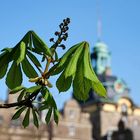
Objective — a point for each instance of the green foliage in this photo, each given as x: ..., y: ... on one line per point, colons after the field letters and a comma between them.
x: 18, y: 113
x: 18, y: 54
x: 35, y: 117
x: 26, y: 119
x: 74, y: 68
x: 14, y: 76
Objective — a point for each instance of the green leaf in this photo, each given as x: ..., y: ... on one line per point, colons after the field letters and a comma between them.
x: 15, y: 90
x: 72, y: 65
x: 40, y: 45
x: 21, y: 95
x: 62, y: 83
x: 28, y: 39
x: 56, y: 55
x: 6, y: 50
x: 45, y: 93
x: 85, y: 78
x: 68, y: 54
x: 99, y: 89
x: 56, y: 116
x: 28, y: 69
x: 22, y: 52
x: 81, y: 85
x: 88, y: 70
x: 33, y: 89
x: 4, y: 60
x: 59, y: 67
x: 90, y: 74
x: 18, y: 113
x: 51, y: 101
x: 33, y: 59
x: 35, y: 118
x: 43, y: 107
x: 48, y: 116
x: 3, y: 70
x: 26, y: 119
x: 14, y: 76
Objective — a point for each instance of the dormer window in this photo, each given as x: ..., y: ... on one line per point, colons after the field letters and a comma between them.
x: 71, y: 114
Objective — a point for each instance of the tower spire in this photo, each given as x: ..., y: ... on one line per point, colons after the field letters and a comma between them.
x: 99, y: 22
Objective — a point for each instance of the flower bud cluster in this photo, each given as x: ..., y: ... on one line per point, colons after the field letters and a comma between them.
x: 62, y: 34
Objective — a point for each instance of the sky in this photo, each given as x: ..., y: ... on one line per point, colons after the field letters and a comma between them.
x: 120, y: 31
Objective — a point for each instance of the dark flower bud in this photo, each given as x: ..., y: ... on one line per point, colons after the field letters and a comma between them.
x: 66, y: 34
x: 61, y: 25
x: 66, y: 28
x: 62, y: 46
x: 63, y: 30
x: 64, y: 38
x: 51, y: 39
x: 64, y: 20
x: 57, y: 33
x: 68, y: 20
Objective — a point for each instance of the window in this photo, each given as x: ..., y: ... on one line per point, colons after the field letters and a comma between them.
x: 71, y: 130
x: 124, y: 108
x: 72, y: 114
x: 1, y: 120
x: 135, y: 123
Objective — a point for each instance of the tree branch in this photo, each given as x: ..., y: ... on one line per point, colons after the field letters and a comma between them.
x: 26, y: 102
x: 23, y: 102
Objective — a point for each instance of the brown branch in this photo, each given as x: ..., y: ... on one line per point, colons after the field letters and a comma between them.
x: 9, y: 105
x: 26, y: 102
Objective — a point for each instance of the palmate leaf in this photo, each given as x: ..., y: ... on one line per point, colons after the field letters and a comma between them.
x: 90, y: 74
x: 62, y: 83
x: 72, y: 65
x: 33, y: 59
x: 56, y: 115
x: 59, y: 67
x: 78, y: 70
x: 14, y: 76
x: 39, y: 45
x: 22, y: 52
x: 21, y: 95
x: 28, y: 69
x: 48, y: 116
x: 4, y: 60
x: 81, y: 86
x: 3, y: 70
x: 17, y: 89
x: 33, y: 89
x: 26, y: 121
x: 18, y: 113
x: 35, y: 118
x: 31, y: 42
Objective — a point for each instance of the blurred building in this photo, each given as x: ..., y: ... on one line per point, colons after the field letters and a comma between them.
x: 114, y: 118
x: 106, y: 114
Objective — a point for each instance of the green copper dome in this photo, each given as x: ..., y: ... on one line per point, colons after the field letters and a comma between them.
x: 102, y: 57
x: 101, y: 47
